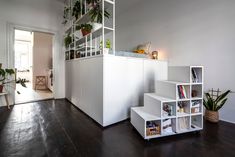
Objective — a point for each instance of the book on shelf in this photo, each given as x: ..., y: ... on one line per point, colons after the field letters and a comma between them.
x: 194, y: 76
x: 167, y: 126
x: 182, y: 92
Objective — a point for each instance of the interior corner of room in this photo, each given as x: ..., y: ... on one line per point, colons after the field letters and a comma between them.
x: 109, y: 74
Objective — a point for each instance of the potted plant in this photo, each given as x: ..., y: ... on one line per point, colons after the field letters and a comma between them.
x: 96, y: 16
x: 6, y: 79
x: 107, y: 46
x: 78, y: 10
x: 213, y: 104
x: 67, y: 40
x: 86, y: 29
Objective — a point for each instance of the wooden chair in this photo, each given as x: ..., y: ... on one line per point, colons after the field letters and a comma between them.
x: 40, y: 81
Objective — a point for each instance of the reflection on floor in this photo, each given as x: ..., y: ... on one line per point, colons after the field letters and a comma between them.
x: 28, y: 94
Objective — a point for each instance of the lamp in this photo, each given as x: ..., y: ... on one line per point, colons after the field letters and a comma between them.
x: 155, y: 54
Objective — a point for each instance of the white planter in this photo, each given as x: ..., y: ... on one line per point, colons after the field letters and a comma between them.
x: 78, y: 34
x: 106, y: 51
x: 96, y: 26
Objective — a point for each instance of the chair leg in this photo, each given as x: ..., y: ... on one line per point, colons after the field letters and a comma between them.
x: 8, y: 105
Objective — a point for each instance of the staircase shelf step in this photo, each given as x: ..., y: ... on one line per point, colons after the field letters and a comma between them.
x: 158, y: 97
x: 145, y: 115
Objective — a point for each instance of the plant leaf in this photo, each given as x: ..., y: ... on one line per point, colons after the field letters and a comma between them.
x: 221, y: 104
x: 222, y: 96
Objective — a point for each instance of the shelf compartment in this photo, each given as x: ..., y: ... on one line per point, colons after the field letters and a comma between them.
x: 168, y: 109
x: 95, y: 34
x: 183, y: 92
x: 153, y: 128
x: 183, y: 108
x: 183, y: 124
x: 168, y: 126
x: 196, y: 74
x: 196, y: 91
x: 196, y: 106
x: 196, y: 122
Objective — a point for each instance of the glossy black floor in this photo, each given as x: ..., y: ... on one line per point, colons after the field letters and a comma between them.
x: 56, y: 129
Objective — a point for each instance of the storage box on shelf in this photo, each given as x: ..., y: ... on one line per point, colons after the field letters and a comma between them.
x: 99, y: 34
x: 176, y: 105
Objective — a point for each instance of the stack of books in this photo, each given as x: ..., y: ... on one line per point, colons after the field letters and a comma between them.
x: 194, y: 76
x: 167, y: 126
x: 182, y: 92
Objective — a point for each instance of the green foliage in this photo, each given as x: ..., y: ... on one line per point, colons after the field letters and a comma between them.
x: 4, y: 78
x: 214, y: 104
x: 93, y: 2
x: 67, y: 40
x: 77, y: 9
x: 96, y: 14
x: 66, y: 15
x: 108, y: 44
x: 87, y: 27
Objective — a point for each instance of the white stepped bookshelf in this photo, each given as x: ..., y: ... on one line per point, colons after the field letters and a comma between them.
x: 165, y: 112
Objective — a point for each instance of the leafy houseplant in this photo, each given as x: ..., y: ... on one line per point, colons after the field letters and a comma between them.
x: 78, y: 10
x: 85, y: 28
x: 96, y: 16
x: 107, y: 46
x: 5, y: 79
x: 67, y: 40
x: 212, y: 105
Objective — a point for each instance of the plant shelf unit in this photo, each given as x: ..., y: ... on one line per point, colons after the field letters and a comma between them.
x: 176, y: 104
x: 94, y: 43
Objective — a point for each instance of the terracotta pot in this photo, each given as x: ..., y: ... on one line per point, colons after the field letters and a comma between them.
x: 85, y: 32
x: 212, y: 116
x: 1, y: 88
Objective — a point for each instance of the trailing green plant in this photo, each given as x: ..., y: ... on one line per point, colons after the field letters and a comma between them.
x: 96, y: 14
x: 67, y: 40
x: 66, y: 15
x: 77, y: 9
x: 6, y: 79
x: 214, y: 104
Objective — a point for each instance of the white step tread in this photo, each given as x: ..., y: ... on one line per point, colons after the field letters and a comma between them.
x: 145, y: 115
x: 175, y: 82
x: 160, y: 98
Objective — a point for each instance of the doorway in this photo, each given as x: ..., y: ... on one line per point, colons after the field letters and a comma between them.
x: 33, y: 62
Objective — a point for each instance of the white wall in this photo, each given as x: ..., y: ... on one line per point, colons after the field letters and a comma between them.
x: 40, y: 15
x: 186, y: 32
x: 42, y: 54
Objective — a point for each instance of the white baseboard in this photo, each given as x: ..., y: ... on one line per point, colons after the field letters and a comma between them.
x: 227, y: 121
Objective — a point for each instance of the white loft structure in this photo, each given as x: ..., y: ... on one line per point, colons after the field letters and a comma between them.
x: 106, y: 86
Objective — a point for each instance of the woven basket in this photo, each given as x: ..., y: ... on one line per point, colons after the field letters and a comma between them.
x: 212, y: 116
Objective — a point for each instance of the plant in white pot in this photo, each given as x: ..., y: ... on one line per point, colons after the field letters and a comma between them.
x: 96, y: 16
x: 107, y: 47
x: 213, y: 104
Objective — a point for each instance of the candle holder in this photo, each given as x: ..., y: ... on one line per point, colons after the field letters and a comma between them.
x: 155, y: 55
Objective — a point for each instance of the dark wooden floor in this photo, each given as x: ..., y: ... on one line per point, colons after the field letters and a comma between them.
x: 56, y: 129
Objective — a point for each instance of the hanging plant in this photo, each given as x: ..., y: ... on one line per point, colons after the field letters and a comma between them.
x: 67, y: 40
x: 66, y: 15
x: 96, y: 14
x: 92, y: 2
x: 77, y: 10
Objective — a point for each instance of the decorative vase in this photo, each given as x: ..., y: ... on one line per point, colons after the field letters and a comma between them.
x: 1, y: 88
x: 212, y: 116
x: 85, y: 32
